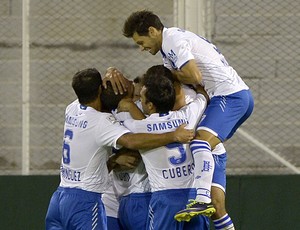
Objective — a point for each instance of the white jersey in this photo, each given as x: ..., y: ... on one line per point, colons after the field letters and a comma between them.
x: 189, y: 93
x: 88, y: 138
x: 110, y: 199
x: 130, y: 181
x: 170, y: 166
x: 218, y: 78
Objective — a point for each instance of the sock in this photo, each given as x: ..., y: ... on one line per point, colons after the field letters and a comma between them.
x: 204, y: 168
x: 224, y: 223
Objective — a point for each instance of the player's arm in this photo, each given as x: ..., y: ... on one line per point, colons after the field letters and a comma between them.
x: 189, y: 73
x: 127, y: 105
x: 200, y: 89
x: 117, y: 80
x: 149, y: 141
x: 124, y: 159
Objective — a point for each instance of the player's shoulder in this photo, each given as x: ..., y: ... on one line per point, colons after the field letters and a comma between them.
x: 72, y: 107
x: 72, y: 104
x: 174, y: 30
x: 201, y: 97
x: 121, y: 116
x: 171, y: 35
x: 107, y: 118
x: 199, y: 103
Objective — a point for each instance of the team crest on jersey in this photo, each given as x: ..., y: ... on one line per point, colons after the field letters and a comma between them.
x: 172, y: 56
x: 111, y: 119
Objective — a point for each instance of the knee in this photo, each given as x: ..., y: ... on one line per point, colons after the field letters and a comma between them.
x: 208, y: 137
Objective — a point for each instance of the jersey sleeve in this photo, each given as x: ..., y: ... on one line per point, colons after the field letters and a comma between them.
x: 184, y: 53
x: 195, y: 110
x: 131, y: 124
x: 167, y: 63
x: 122, y: 116
x: 200, y: 102
x: 178, y: 52
x: 109, y: 131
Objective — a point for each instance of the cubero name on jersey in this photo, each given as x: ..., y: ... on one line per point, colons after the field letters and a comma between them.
x: 180, y: 171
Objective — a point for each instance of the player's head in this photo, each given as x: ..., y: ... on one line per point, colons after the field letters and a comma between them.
x: 145, y: 28
x: 87, y: 85
x: 110, y: 100
x: 139, y: 22
x: 160, y: 71
x: 158, y: 93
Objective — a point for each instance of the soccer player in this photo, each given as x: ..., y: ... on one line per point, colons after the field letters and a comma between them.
x: 133, y: 190
x: 111, y: 205
x: 88, y: 136
x: 131, y: 186
x: 110, y: 199
x: 184, y: 95
x: 194, y: 60
x: 170, y: 168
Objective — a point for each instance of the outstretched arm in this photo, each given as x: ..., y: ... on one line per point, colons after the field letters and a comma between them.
x: 149, y: 141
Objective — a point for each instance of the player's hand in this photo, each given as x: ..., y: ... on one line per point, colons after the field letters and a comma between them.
x: 200, y: 89
x: 128, y: 159
x: 125, y: 104
x: 183, y: 135
x: 117, y: 80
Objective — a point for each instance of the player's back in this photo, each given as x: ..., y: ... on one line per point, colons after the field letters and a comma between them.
x: 170, y: 166
x: 88, y: 135
x: 218, y: 77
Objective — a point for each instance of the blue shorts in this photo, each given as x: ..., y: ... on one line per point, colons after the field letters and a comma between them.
x: 224, y: 114
x: 165, y: 204
x: 219, y: 176
x: 72, y: 208
x: 133, y: 210
x: 113, y: 223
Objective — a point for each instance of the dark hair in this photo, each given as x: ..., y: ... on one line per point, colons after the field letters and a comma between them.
x: 160, y: 89
x: 86, y: 85
x: 109, y: 99
x: 138, y: 79
x: 158, y: 71
x: 139, y: 22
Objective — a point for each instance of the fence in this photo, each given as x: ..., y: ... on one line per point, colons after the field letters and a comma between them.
x: 43, y: 43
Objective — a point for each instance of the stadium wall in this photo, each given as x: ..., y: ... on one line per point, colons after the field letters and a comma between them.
x: 254, y: 202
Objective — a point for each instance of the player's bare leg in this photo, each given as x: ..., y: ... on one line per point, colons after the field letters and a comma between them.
x: 220, y: 218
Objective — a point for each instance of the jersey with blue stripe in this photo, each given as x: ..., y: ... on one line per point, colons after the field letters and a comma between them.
x: 88, y: 138
x: 110, y: 199
x: 134, y: 180
x: 170, y: 166
x: 218, y: 77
